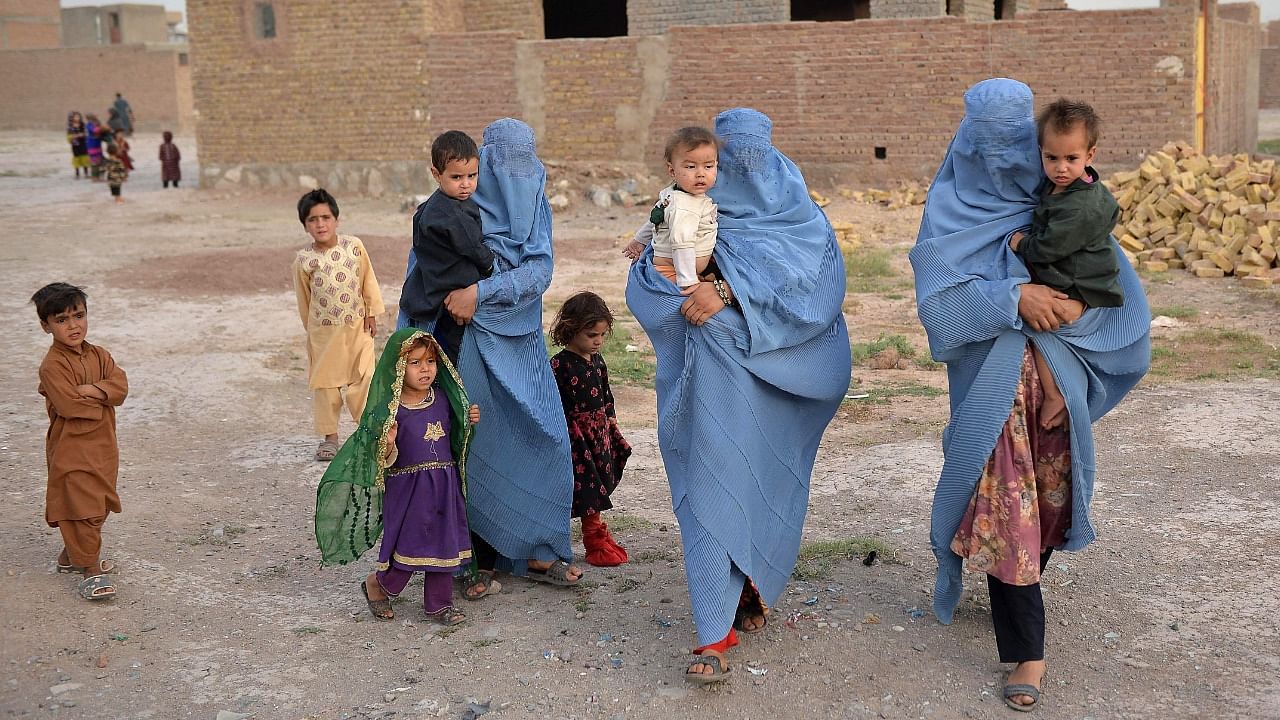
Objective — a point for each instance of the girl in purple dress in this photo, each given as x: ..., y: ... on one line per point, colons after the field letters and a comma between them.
x: 405, y: 466
x: 599, y: 450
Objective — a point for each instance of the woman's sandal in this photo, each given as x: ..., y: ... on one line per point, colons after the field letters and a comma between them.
x: 448, y: 616
x: 107, y: 566
x: 96, y: 587
x: 720, y: 675
x: 327, y: 451
x: 555, y: 574
x: 381, y: 609
x: 1031, y: 691
x: 744, y: 614
x: 483, y: 580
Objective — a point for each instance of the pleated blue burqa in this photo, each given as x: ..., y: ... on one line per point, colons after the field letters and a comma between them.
x: 743, y: 400
x: 967, y: 290
x: 520, y: 473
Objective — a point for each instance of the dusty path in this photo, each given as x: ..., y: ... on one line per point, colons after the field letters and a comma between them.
x: 224, y: 606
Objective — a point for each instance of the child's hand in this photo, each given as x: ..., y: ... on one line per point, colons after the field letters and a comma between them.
x: 1015, y: 240
x: 633, y: 250
x: 371, y: 325
x: 391, y: 433
x: 473, y: 414
x: 91, y: 391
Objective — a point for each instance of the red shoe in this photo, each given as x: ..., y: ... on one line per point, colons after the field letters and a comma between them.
x: 602, y: 549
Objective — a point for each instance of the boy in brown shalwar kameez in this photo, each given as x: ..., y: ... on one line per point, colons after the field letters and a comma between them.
x: 82, y: 386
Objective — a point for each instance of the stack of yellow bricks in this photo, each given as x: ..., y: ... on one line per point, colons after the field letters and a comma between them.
x: 1212, y: 216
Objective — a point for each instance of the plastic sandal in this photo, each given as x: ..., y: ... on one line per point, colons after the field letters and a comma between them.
x: 1030, y: 691
x: 555, y: 574
x: 108, y: 566
x: 448, y: 615
x: 489, y: 586
x: 720, y: 675
x: 381, y: 609
x: 327, y: 451
x: 96, y: 587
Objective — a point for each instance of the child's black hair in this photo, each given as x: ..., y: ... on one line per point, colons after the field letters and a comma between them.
x: 690, y: 138
x: 1063, y: 114
x: 56, y: 298
x: 579, y: 312
x: 319, y: 196
x: 450, y: 146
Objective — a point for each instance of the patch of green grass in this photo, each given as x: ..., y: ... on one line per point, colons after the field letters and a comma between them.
x: 1269, y: 147
x: 664, y: 554
x: 10, y: 173
x: 1213, y: 354
x: 300, y: 631
x: 1181, y: 312
x: 626, y: 585
x: 862, y: 351
x: 582, y: 605
x: 882, y: 395
x: 869, y: 270
x: 617, y: 522
x: 486, y: 642
x: 628, y: 368
x: 818, y: 559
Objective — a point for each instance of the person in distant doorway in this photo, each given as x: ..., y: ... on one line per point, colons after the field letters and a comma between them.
x: 170, y: 161
x: 121, y: 106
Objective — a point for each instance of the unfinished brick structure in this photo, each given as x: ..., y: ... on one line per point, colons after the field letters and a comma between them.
x: 351, y: 97
x: 41, y: 80
x: 1269, y: 67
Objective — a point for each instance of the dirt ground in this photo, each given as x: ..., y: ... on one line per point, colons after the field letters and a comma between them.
x: 224, y: 607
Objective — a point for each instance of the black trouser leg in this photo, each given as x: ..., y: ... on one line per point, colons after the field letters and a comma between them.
x: 485, y: 555
x: 1017, y: 611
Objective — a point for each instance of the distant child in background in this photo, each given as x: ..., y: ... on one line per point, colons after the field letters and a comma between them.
x: 76, y: 137
x: 93, y: 144
x: 117, y: 175
x: 599, y: 451
x: 338, y: 301
x: 1069, y: 246
x: 448, y: 245
x: 82, y: 387
x: 122, y: 150
x: 170, y: 159
x: 408, y: 459
x: 682, y: 224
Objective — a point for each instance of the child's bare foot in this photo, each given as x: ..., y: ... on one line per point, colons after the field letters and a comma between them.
x: 377, y: 598
x: 1053, y: 410
x: 1030, y: 673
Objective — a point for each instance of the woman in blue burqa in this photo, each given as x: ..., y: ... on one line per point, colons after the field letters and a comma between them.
x: 1011, y: 491
x: 746, y: 388
x: 520, y: 473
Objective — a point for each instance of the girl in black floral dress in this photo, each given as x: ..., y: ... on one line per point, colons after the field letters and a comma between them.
x: 599, y: 450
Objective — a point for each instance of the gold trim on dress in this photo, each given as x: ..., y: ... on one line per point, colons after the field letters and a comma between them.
x: 428, y: 562
x: 429, y: 465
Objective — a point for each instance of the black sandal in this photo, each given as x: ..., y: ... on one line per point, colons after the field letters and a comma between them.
x: 485, y: 581
x: 379, y: 608
x: 720, y: 675
x: 448, y: 615
x: 555, y: 574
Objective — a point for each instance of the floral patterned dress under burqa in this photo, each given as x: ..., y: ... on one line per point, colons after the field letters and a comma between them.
x: 599, y: 450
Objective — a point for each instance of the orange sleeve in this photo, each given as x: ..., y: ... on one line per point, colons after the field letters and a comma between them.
x: 114, y: 382
x: 58, y: 384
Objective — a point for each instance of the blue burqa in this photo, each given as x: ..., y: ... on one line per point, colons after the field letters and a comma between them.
x: 520, y: 474
x: 743, y: 400
x: 967, y: 290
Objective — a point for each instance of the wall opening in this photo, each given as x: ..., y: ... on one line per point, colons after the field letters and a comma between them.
x: 183, y: 59
x: 113, y: 25
x: 1000, y: 12
x: 264, y: 21
x: 828, y: 11
x: 584, y: 18
x: 881, y: 152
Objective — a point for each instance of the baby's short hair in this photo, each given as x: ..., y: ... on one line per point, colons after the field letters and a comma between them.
x: 1063, y: 114
x: 58, y: 297
x: 689, y: 138
x: 319, y: 196
x: 112, y: 149
x: 579, y: 312
x: 450, y: 146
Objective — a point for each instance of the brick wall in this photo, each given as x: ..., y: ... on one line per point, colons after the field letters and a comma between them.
x: 1269, y: 78
x: 40, y: 87
x: 1231, y: 123
x: 523, y: 17
x: 472, y: 82
x: 1244, y: 12
x: 907, y: 8
x: 29, y: 24
x: 653, y: 17
x: 1271, y: 34
x: 975, y: 10
x: 341, y: 81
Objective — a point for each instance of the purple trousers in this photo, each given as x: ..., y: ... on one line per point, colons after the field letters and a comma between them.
x: 437, y: 587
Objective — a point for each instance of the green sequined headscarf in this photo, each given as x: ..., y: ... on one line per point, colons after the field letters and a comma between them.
x: 349, y: 499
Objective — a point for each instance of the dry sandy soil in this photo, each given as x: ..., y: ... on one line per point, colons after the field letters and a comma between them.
x: 224, y: 606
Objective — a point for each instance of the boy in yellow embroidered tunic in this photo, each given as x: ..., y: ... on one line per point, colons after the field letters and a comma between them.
x: 338, y: 301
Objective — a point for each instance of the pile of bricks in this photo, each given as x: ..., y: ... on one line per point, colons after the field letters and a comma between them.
x: 905, y: 195
x: 1212, y: 216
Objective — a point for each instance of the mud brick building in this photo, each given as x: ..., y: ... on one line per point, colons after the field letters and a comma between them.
x: 48, y: 69
x: 292, y: 92
x: 1269, y: 66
